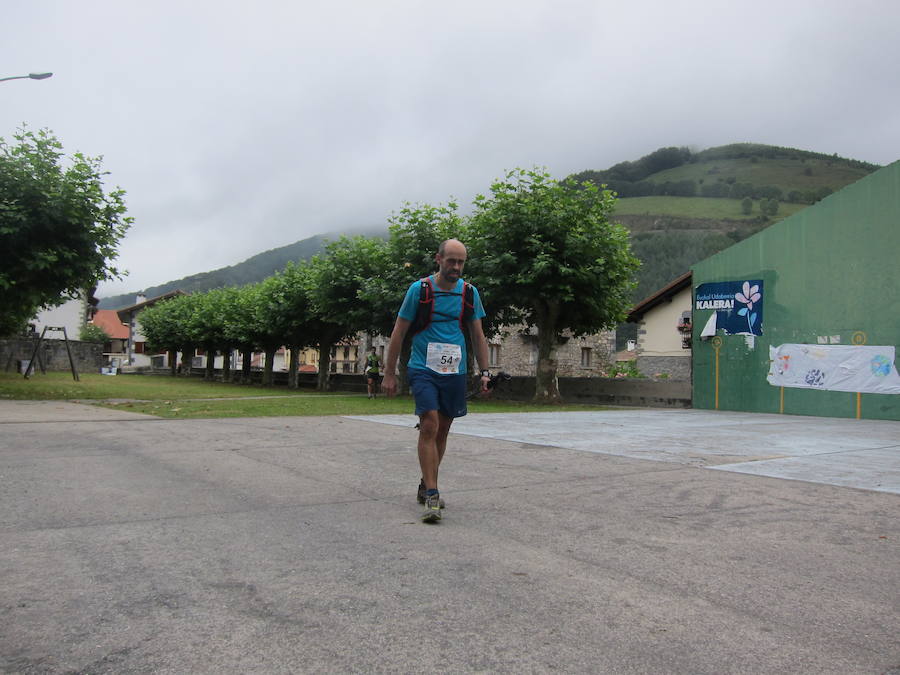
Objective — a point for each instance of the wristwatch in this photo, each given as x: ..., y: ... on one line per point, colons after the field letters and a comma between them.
x: 485, y: 373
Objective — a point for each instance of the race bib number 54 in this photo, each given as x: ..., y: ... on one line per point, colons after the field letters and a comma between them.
x: 443, y: 358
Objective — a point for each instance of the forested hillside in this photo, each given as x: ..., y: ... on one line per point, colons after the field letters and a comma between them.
x: 680, y: 207
x: 251, y: 270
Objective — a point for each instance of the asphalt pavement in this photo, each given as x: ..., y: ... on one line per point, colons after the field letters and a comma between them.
x: 629, y: 541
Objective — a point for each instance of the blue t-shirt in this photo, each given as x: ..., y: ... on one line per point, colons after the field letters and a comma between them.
x: 444, y: 326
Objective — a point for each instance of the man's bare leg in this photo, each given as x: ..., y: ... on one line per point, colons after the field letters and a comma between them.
x: 429, y: 456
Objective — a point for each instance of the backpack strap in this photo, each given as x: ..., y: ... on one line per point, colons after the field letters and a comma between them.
x: 425, y: 310
x: 467, y: 310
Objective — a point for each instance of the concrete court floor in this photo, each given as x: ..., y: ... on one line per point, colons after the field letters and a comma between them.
x: 131, y: 544
x: 863, y: 454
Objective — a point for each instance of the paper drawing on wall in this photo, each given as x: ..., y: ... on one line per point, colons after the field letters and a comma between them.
x: 853, y: 368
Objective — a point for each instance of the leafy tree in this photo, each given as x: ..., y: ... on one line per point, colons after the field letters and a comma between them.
x: 768, y: 207
x: 414, y: 235
x: 335, y: 282
x: 207, y: 325
x: 292, y: 317
x: 770, y: 192
x: 746, y: 206
x: 240, y: 324
x: 716, y: 190
x: 166, y: 325
x: 741, y: 190
x: 549, y: 249
x: 91, y: 332
x: 263, y: 329
x: 59, y: 230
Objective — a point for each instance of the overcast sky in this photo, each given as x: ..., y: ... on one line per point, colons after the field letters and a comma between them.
x: 237, y: 127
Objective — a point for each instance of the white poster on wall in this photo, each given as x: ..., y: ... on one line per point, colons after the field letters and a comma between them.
x: 854, y: 368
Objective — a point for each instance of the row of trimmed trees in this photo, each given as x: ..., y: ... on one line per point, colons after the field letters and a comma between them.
x: 542, y: 253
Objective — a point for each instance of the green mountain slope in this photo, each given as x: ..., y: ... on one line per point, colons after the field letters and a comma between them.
x: 250, y: 271
x: 682, y: 206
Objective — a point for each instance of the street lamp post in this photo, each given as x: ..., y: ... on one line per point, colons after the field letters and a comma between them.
x: 30, y: 76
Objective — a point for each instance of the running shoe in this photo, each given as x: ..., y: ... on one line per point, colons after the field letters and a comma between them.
x: 420, y: 494
x: 432, y: 512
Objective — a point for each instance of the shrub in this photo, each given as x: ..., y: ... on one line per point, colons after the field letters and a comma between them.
x: 92, y: 333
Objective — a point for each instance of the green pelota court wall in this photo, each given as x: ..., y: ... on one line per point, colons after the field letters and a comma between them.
x: 831, y: 271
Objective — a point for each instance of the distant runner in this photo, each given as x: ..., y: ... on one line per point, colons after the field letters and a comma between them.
x: 373, y: 369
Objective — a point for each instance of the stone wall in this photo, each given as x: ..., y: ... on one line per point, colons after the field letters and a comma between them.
x: 676, y: 367
x: 602, y: 390
x: 518, y: 354
x: 88, y: 356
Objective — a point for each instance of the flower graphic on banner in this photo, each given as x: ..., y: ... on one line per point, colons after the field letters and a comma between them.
x: 815, y: 378
x: 748, y: 295
x: 881, y: 366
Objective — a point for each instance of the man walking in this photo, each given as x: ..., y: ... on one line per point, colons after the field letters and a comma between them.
x: 437, y: 309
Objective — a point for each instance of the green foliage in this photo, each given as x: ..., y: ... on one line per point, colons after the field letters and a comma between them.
x: 91, y: 332
x: 746, y: 206
x: 667, y: 255
x: 59, y: 229
x: 548, y: 256
x: 166, y: 324
x: 338, y: 278
x: 624, y: 369
x: 283, y: 308
x: 763, y: 172
x: 414, y: 235
x: 633, y: 172
x: 768, y: 207
x: 549, y: 249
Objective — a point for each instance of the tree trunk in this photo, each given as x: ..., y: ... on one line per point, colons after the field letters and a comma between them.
x: 226, y: 365
x: 173, y: 362
x: 270, y: 365
x: 187, y: 359
x: 293, y: 369
x: 210, y: 373
x: 247, y: 360
x: 323, y: 381
x: 546, y: 388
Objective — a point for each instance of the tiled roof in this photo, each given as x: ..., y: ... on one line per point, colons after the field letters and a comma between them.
x: 108, y: 320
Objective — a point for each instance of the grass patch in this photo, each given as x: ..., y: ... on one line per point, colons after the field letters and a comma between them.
x: 183, y: 398
x: 315, y: 404
x: 60, y: 387
x: 788, y: 174
x: 697, y: 207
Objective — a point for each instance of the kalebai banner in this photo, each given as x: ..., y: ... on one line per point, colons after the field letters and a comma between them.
x: 855, y: 368
x: 738, y: 307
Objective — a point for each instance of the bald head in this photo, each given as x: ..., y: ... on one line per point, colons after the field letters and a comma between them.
x: 455, y: 244
x: 450, y: 258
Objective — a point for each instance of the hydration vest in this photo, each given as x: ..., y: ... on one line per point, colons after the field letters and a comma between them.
x: 425, y: 312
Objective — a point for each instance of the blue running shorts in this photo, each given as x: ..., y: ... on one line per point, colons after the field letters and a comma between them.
x: 444, y: 393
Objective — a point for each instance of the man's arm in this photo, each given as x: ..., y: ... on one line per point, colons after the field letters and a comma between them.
x: 389, y: 383
x: 479, y: 343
